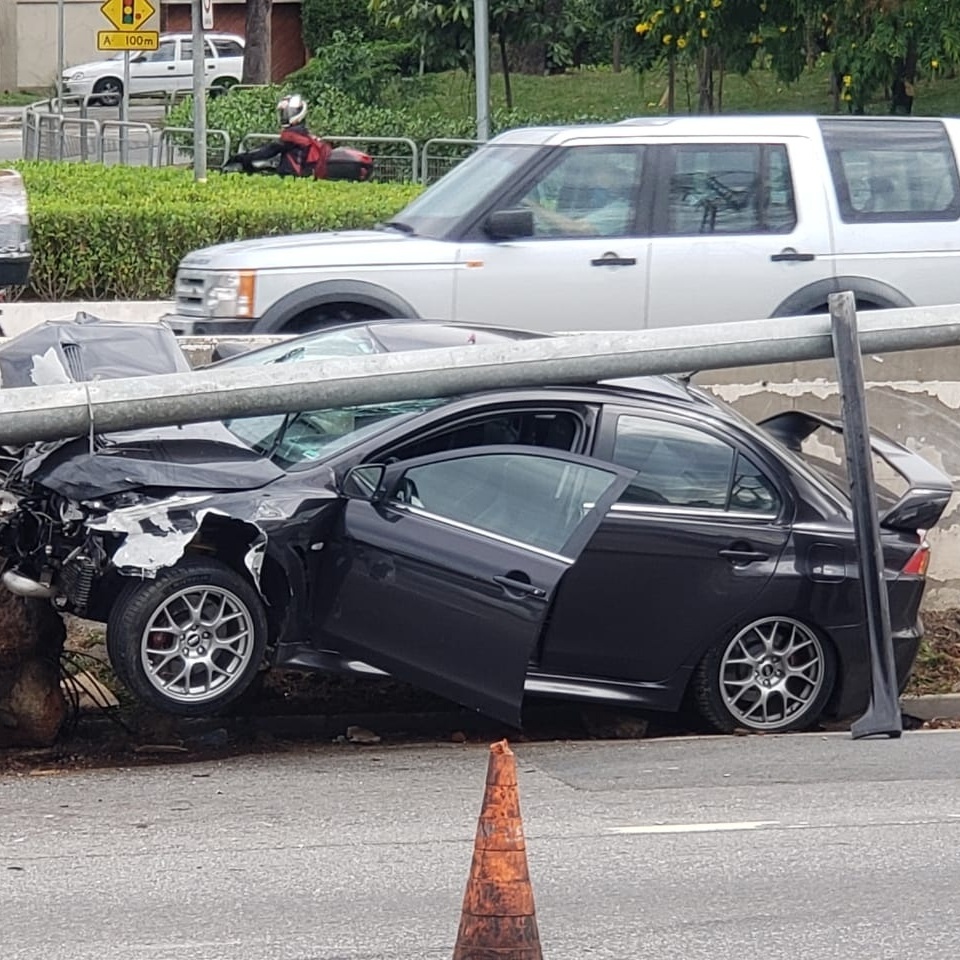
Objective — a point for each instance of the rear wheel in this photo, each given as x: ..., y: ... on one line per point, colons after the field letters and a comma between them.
x: 189, y: 641
x: 109, y: 90
x: 774, y: 675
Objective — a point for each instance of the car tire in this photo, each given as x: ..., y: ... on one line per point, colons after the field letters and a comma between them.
x: 109, y: 90
x: 772, y: 676
x: 190, y: 641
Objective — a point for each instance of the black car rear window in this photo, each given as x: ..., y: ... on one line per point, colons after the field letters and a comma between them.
x: 892, y: 171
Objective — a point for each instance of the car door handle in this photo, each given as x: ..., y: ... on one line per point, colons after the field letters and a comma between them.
x: 612, y: 260
x: 743, y: 556
x: 520, y: 586
x: 789, y: 255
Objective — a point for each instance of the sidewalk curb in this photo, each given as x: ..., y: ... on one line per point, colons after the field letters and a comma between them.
x: 932, y: 706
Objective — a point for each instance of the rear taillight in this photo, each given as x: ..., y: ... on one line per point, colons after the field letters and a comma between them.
x: 919, y: 561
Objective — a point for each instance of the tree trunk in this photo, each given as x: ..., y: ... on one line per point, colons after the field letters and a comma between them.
x: 505, y: 65
x: 256, y: 54
x: 617, y: 49
x: 32, y: 706
x: 671, y: 84
x: 904, y: 78
x: 705, y: 100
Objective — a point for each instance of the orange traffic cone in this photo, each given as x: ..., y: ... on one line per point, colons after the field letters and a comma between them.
x: 498, y: 920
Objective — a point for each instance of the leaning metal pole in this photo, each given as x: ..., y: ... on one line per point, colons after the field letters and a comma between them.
x: 883, y: 714
x: 70, y: 410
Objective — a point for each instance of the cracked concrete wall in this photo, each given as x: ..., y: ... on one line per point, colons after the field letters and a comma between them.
x: 912, y: 397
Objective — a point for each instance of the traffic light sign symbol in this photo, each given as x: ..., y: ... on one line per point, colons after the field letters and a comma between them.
x: 127, y: 16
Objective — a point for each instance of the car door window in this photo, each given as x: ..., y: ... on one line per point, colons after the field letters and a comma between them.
x: 165, y: 53
x: 729, y: 188
x: 186, y: 50
x: 681, y: 466
x: 525, y: 498
x: 589, y: 191
x: 228, y: 48
x: 553, y: 429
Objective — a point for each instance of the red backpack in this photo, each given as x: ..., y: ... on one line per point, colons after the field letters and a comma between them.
x: 314, y: 152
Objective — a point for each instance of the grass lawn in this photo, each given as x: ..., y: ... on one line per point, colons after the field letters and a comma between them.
x: 15, y: 98
x: 601, y: 93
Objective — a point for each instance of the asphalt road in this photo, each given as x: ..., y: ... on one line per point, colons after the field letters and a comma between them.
x: 749, y: 848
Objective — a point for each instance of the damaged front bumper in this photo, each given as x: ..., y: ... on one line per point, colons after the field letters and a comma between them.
x: 69, y: 552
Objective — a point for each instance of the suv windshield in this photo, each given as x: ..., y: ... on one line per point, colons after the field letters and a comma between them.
x: 309, y: 436
x: 452, y: 197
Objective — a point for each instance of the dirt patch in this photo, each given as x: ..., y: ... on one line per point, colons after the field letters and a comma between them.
x: 937, y: 668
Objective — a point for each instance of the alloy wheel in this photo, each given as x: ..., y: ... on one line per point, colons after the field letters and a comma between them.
x: 198, y: 643
x: 771, y: 673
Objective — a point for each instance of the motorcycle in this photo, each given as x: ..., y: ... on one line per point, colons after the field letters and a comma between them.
x: 342, y: 163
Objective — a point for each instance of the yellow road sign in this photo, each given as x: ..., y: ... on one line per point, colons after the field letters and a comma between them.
x: 128, y: 40
x: 128, y: 14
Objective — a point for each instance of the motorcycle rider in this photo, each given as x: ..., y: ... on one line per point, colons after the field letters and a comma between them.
x: 299, y: 151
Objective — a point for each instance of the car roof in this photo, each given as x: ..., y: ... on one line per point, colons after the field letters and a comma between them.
x: 740, y: 125
x: 207, y: 34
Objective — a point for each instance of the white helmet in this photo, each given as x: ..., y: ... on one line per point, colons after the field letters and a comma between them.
x: 291, y: 109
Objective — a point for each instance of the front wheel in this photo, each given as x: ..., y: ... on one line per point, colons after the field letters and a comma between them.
x: 774, y: 675
x: 109, y: 90
x: 190, y: 641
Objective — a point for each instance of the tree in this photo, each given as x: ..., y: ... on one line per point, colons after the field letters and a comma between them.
x: 322, y: 17
x: 256, y: 55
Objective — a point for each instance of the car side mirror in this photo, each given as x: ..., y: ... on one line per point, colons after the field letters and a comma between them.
x: 364, y: 482
x: 509, y: 224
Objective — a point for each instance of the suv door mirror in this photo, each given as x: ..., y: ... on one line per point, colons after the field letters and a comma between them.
x: 364, y: 482
x: 509, y: 224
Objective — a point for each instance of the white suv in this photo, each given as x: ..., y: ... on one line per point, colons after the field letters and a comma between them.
x: 640, y: 224
x: 166, y: 69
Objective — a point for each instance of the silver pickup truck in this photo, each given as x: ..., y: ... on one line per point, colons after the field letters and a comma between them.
x: 644, y: 223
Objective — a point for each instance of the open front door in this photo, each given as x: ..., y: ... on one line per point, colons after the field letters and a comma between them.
x: 447, y: 564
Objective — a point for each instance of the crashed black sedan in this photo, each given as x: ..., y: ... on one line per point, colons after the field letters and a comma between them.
x: 628, y: 543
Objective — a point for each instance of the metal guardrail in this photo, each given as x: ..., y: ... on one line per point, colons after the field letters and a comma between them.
x: 61, y: 129
x: 170, y: 152
x: 86, y: 144
x: 127, y: 141
x: 433, y: 167
x: 387, y: 166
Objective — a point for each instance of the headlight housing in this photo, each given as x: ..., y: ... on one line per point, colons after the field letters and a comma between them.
x: 231, y: 295
x: 73, y: 76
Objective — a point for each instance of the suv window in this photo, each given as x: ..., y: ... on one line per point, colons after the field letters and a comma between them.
x: 681, y: 466
x: 589, y: 191
x: 228, y: 48
x: 896, y: 173
x: 729, y: 188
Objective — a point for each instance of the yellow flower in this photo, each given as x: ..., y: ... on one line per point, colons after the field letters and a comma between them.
x: 934, y: 64
x: 677, y: 8
x: 668, y: 39
x: 846, y: 96
x: 642, y: 28
x: 657, y: 14
x: 782, y: 29
x: 763, y: 8
x: 704, y: 33
x: 847, y: 80
x: 681, y: 42
x: 703, y: 14
x: 716, y: 3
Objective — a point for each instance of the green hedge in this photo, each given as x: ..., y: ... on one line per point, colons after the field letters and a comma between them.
x: 103, y: 233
